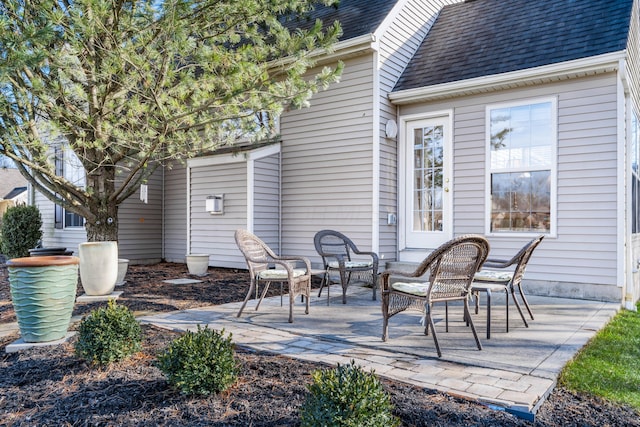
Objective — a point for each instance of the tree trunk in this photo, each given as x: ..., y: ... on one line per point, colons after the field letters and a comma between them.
x: 103, y: 226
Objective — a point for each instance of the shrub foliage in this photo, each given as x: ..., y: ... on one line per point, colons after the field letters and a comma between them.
x: 200, y: 363
x: 108, y: 334
x: 20, y: 231
x: 346, y: 396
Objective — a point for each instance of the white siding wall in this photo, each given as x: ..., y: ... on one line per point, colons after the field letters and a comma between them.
x: 140, y: 224
x: 68, y: 238
x: 581, y: 261
x: 327, y: 163
x: 398, y: 44
x: 266, y: 207
x: 175, y: 213
x: 214, y: 234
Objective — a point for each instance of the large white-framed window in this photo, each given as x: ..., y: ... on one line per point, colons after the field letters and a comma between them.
x: 522, y: 167
x: 68, y: 165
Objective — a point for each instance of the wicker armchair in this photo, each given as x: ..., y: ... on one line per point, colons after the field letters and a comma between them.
x: 336, y: 251
x: 450, y: 269
x: 260, y: 257
x: 491, y: 279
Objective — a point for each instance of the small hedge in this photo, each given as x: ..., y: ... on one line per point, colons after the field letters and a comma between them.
x: 20, y: 231
x: 200, y: 363
x: 108, y: 334
x: 346, y: 396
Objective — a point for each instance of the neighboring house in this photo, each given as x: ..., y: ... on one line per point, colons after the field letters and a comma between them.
x: 13, y: 189
x: 508, y: 118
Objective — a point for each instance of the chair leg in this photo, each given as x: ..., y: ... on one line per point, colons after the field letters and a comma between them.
x: 252, y: 286
x: 325, y: 279
x: 515, y: 300
x: 489, y: 314
x: 264, y: 292
x: 473, y: 328
x: 374, y: 282
x: 345, y: 282
x: 433, y: 331
x: 446, y: 316
x: 308, y: 292
x: 524, y: 299
x: 506, y: 306
x: 292, y: 299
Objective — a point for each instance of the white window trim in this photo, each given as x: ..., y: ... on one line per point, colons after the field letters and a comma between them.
x: 554, y: 166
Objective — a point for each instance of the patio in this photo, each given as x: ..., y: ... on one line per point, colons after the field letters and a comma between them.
x: 515, y: 371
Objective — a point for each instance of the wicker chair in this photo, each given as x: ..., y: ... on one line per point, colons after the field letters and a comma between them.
x: 490, y: 279
x: 450, y: 269
x: 260, y: 257
x: 336, y: 251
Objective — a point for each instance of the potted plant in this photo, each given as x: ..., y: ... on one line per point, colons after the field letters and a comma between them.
x: 43, y: 292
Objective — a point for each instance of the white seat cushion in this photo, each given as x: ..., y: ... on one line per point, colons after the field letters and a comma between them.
x: 275, y: 274
x: 351, y: 264
x: 493, y: 276
x: 413, y: 288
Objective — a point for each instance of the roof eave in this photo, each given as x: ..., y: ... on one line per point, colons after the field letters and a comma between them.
x: 593, y: 65
x: 340, y: 50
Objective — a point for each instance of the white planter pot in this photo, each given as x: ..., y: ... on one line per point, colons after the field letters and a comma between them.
x: 98, y: 267
x: 123, y: 265
x: 197, y: 264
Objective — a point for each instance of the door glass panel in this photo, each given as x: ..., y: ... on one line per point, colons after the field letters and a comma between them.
x: 428, y: 149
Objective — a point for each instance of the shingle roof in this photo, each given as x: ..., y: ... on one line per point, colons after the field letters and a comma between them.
x: 357, y: 17
x: 10, y: 179
x: 484, y: 37
x: 15, y: 192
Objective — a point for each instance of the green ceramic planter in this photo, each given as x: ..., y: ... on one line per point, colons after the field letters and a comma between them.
x: 43, y: 290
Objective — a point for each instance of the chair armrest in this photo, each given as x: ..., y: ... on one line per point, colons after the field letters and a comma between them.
x: 286, y: 262
x: 371, y: 254
x: 497, y: 263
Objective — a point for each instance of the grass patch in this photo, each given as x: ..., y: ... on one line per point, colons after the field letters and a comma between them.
x: 609, y: 366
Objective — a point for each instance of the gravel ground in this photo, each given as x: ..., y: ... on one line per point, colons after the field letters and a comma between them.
x: 50, y: 386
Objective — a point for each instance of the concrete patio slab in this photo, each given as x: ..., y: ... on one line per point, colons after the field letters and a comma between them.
x: 514, y: 371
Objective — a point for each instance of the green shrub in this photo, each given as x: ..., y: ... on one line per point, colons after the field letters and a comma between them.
x: 20, y: 231
x: 200, y: 363
x: 108, y: 334
x: 347, y: 396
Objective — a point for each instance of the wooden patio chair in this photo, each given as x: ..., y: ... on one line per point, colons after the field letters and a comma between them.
x: 336, y: 251
x: 260, y: 257
x: 494, y: 278
x: 450, y: 270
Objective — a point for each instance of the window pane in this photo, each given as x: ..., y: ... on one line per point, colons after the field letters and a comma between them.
x: 521, y: 137
x: 428, y: 172
x: 521, y: 201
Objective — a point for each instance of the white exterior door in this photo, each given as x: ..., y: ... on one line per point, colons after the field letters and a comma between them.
x: 427, y: 185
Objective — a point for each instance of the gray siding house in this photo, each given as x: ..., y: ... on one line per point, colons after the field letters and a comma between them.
x: 507, y: 118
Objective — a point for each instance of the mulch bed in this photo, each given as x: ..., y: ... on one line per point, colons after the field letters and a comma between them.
x: 51, y: 386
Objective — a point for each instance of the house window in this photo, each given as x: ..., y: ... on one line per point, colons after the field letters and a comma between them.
x: 68, y: 166
x: 521, y: 167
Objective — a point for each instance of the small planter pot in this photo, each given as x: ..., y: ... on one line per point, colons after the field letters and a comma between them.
x: 43, y: 291
x: 98, y: 267
x: 123, y: 265
x: 198, y: 264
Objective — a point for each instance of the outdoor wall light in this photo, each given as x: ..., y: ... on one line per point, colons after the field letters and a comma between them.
x: 215, y: 204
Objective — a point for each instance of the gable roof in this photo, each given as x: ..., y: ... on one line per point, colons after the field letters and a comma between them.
x: 15, y: 193
x: 357, y: 17
x: 10, y: 179
x: 486, y: 37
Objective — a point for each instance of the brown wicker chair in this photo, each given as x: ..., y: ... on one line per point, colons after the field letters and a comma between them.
x: 490, y: 279
x: 260, y: 257
x: 336, y: 251
x: 450, y: 269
